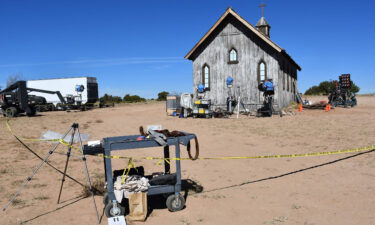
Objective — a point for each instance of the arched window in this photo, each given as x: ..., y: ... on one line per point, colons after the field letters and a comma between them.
x: 206, y: 76
x: 233, y: 58
x: 262, y: 71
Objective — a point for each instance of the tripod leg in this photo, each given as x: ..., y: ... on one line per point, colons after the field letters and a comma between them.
x: 86, y: 170
x: 74, y: 126
x: 28, y: 179
x: 49, y: 164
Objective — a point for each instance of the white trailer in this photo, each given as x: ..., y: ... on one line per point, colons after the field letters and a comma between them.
x: 68, y: 87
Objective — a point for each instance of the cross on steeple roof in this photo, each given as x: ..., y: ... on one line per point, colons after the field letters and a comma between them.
x: 262, y: 6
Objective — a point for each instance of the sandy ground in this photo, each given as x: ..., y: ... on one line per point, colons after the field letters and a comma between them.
x: 336, y: 189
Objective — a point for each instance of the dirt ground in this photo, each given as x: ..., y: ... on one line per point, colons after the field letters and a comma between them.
x: 336, y: 189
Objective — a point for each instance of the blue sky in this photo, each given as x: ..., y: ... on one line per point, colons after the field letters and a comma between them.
x: 137, y: 47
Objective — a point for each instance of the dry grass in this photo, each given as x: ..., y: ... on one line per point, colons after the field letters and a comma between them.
x: 41, y: 198
x: 98, y: 121
x: 4, y: 171
x: 98, y: 184
x: 39, y: 185
x: 17, y: 182
x: 19, y: 203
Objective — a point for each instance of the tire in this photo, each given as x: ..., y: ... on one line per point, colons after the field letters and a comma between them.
x: 32, y: 112
x: 11, y: 112
x: 175, y: 204
x: 109, y: 210
x: 39, y: 108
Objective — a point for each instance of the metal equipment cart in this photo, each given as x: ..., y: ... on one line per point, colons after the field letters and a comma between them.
x: 175, y: 201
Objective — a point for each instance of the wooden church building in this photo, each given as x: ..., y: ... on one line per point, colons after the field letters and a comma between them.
x: 233, y: 47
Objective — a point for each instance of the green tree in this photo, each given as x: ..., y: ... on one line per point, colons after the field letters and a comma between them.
x: 314, y: 90
x: 110, y: 99
x: 325, y: 87
x: 354, y: 88
x: 133, y: 98
x: 162, y: 96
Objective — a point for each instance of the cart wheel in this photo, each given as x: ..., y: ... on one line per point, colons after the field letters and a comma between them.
x: 175, y: 204
x: 105, y: 198
x: 11, y: 112
x: 110, y: 211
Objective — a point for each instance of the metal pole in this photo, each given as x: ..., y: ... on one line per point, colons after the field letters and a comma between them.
x: 28, y: 179
x: 167, y: 166
x: 238, y: 106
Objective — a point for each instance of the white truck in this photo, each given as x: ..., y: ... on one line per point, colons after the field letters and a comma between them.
x: 75, y: 90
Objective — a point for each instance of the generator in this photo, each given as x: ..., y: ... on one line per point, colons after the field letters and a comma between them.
x: 340, y: 94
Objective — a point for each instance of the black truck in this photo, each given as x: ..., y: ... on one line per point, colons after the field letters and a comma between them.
x: 15, y: 99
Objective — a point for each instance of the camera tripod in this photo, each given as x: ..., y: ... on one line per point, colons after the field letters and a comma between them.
x: 74, y: 129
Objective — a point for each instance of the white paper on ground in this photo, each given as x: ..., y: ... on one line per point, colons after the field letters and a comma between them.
x: 117, y: 220
x: 48, y: 135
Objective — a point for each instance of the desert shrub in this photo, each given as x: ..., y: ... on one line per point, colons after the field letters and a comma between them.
x: 98, y: 187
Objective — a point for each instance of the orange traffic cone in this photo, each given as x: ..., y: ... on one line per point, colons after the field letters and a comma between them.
x: 300, y: 108
x: 328, y: 107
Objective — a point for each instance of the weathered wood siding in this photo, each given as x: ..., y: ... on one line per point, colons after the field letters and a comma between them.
x: 250, y: 51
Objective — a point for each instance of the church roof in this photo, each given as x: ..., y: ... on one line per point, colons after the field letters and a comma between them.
x: 231, y: 12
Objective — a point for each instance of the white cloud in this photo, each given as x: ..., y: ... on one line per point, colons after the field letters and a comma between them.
x: 104, y: 62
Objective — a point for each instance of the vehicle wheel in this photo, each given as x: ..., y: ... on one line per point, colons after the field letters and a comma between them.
x: 175, y: 204
x: 32, y: 112
x: 105, y: 198
x: 39, y: 108
x: 11, y: 112
x: 51, y: 107
x: 110, y: 211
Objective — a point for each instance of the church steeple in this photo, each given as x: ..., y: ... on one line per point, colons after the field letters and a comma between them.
x: 262, y: 24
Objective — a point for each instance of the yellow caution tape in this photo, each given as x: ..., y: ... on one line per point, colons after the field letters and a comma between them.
x: 62, y: 141
x: 125, y: 174
x: 161, y: 159
x: 248, y: 157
